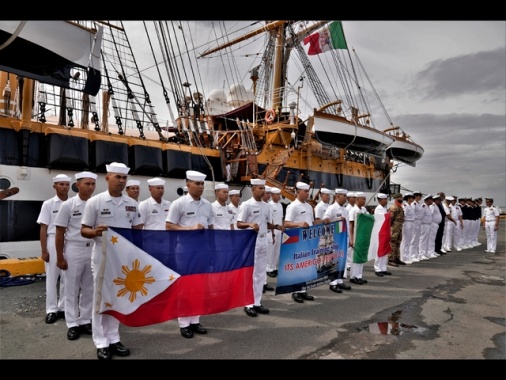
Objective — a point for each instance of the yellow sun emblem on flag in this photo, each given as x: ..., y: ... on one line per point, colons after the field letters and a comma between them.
x: 134, y: 280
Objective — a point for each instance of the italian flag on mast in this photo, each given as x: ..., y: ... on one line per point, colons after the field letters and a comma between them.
x: 328, y: 38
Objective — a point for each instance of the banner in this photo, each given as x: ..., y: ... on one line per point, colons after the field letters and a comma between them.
x: 312, y: 256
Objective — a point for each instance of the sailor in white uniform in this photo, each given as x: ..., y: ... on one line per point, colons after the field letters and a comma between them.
x: 73, y: 253
x: 155, y: 209
x: 55, y: 306
x: 223, y: 215
x: 491, y: 224
x: 110, y: 208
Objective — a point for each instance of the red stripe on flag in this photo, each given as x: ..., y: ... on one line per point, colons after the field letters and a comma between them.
x: 197, y: 294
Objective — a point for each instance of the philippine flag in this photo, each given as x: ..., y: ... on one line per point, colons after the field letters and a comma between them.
x: 149, y: 277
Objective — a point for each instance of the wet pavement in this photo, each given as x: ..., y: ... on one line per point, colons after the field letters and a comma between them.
x: 450, y: 307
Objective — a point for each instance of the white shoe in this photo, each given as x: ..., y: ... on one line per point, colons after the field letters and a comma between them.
x: 443, y: 250
x: 407, y: 262
x: 459, y: 249
x: 415, y: 260
x: 478, y: 244
x: 487, y: 250
x: 492, y: 251
x: 423, y: 257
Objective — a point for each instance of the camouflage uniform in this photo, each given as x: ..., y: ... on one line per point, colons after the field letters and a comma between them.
x: 396, y: 222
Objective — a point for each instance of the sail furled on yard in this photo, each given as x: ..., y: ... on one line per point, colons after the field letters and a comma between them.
x: 328, y: 38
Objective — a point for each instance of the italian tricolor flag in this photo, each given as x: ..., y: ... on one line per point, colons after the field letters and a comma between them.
x: 327, y: 38
x: 372, y: 237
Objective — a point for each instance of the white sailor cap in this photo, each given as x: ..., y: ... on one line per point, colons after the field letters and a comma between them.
x: 156, y: 182
x: 275, y: 190
x: 382, y: 196
x: 409, y: 194
x: 257, y: 181
x: 220, y: 186
x: 428, y: 196
x: 325, y: 191
x: 359, y: 194
x: 61, y: 178
x: 268, y: 189
x: 350, y: 194
x: 193, y: 175
x: 341, y: 191
x: 117, y: 167
x: 436, y: 197
x: 185, y: 188
x: 234, y: 192
x: 417, y: 192
x: 86, y: 175
x: 302, y: 186
x: 133, y: 182
x: 449, y: 198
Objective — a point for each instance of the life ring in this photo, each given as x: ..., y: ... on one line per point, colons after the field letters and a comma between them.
x: 269, y: 116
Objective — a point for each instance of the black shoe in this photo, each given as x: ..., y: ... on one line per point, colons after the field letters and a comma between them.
x: 397, y: 261
x: 335, y: 288
x: 186, y: 332
x: 261, y: 309
x: 393, y: 264
x: 104, y: 353
x: 60, y: 314
x: 197, y: 328
x: 386, y: 273
x: 250, y: 312
x: 357, y: 281
x: 51, y: 317
x: 86, y: 329
x: 364, y: 281
x: 118, y: 349
x: 306, y: 296
x: 271, y: 274
x: 297, y: 298
x: 343, y: 286
x: 380, y: 274
x: 268, y: 287
x: 275, y: 272
x: 73, y: 333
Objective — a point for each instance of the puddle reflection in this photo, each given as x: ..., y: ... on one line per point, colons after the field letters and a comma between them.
x: 392, y: 327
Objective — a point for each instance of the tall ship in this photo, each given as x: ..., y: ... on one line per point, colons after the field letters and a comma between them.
x: 74, y: 96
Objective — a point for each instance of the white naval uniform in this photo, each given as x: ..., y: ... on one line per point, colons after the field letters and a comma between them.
x: 425, y: 229
x: 417, y: 226
x: 258, y: 212
x: 235, y: 211
x: 223, y: 216
x: 337, y: 212
x: 54, y: 299
x: 447, y: 227
x: 349, y: 256
x: 153, y: 214
x: 381, y: 263
x: 120, y: 212
x: 490, y: 214
x: 77, y: 252
x: 437, y: 218
x: 456, y: 229
x: 357, y: 269
x: 407, y: 232
x: 274, y: 248
x: 187, y: 212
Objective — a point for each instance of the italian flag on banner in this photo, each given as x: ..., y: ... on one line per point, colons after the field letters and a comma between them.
x: 372, y: 237
x: 328, y: 38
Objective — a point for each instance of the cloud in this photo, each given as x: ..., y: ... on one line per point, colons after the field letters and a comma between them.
x: 464, y: 74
